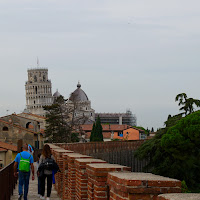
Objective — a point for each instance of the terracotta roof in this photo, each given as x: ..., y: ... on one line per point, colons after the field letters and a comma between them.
x: 18, y: 115
x: 7, y: 146
x: 106, y: 127
x: 26, y: 118
x: 38, y: 116
x: 2, y: 149
x: 106, y: 135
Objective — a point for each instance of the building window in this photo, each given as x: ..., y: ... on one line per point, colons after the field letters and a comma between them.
x: 5, y: 128
x: 143, y: 136
x: 91, y: 114
x: 120, y: 134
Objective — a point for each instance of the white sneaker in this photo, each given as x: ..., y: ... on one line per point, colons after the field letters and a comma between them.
x: 48, y: 198
x: 41, y: 197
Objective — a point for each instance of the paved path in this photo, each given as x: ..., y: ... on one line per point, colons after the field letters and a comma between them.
x: 32, y: 194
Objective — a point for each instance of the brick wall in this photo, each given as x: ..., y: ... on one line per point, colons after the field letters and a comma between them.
x: 100, y: 147
x: 112, y: 152
x: 145, y: 186
x: 83, y: 177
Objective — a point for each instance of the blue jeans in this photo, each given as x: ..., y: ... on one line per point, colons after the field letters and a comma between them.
x: 24, y: 181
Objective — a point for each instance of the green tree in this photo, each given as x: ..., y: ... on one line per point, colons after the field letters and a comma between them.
x: 175, y: 150
x: 92, y: 132
x: 187, y: 103
x: 142, y: 128
x: 56, y: 126
x: 97, y: 131
x: 75, y: 137
x: 61, y: 121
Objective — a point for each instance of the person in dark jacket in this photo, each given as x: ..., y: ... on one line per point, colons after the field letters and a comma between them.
x: 47, y: 174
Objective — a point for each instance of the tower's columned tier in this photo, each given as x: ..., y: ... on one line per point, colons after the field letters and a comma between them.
x: 38, y: 91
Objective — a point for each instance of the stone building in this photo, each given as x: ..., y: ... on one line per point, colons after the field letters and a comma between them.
x: 82, y: 105
x: 38, y: 91
x: 15, y: 127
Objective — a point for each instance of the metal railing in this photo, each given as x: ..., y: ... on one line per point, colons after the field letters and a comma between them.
x: 7, y: 181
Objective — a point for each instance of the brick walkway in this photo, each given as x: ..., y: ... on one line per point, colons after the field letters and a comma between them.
x: 32, y: 194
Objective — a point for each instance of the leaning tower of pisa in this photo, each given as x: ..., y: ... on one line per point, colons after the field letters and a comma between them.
x: 38, y: 91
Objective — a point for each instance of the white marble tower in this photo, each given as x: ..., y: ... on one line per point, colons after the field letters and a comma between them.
x: 38, y: 91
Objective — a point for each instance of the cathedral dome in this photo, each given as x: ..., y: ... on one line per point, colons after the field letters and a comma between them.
x: 56, y: 94
x: 78, y: 94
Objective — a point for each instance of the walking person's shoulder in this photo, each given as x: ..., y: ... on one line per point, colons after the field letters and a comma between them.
x: 31, y: 159
x: 17, y: 158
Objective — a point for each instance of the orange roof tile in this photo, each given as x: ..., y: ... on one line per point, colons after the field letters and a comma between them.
x: 7, y: 146
x: 107, y: 127
x: 2, y: 149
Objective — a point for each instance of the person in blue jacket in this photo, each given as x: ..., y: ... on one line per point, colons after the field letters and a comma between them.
x: 23, y: 175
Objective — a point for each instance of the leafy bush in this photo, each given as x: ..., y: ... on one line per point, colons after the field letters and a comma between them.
x: 175, y: 150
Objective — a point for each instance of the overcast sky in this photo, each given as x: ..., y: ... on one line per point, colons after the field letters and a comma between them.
x: 135, y: 54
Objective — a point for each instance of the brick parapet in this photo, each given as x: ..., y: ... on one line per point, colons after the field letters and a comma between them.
x: 145, y: 186
x: 91, y: 148
x: 58, y: 155
x: 82, y: 177
x: 97, y: 179
x: 72, y: 173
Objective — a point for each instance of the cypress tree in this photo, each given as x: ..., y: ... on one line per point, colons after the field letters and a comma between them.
x: 96, y: 133
x: 92, y: 133
x: 98, y: 130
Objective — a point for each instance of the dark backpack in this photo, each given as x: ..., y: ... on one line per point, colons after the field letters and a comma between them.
x: 48, y: 164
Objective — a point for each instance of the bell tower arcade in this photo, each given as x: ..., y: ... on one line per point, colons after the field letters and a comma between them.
x: 38, y: 91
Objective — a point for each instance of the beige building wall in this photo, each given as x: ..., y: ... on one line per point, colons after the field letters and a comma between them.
x: 6, y: 157
x: 13, y: 134
x: 2, y: 157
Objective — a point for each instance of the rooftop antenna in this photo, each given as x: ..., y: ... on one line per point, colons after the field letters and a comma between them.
x: 7, y: 111
x: 37, y: 62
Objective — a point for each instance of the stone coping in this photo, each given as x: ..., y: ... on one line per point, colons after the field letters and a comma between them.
x: 77, y: 155
x: 53, y: 146
x: 106, y: 166
x: 62, y: 151
x: 181, y: 196
x: 88, y: 160
x: 140, y: 176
